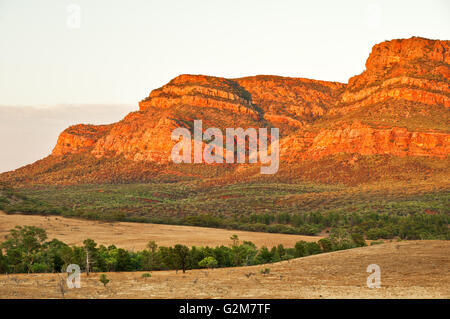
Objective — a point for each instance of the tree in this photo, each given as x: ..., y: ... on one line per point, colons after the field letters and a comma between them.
x: 104, y: 280
x: 265, y: 271
x: 358, y: 239
x: 149, y: 258
x: 326, y: 245
x: 181, y: 254
x: 208, y: 262
x: 275, y: 255
x: 301, y: 249
x: 55, y: 254
x: 264, y: 256
x: 235, y: 240
x: 90, y: 252
x: 167, y: 257
x: 3, y: 264
x: 152, y: 246
x: 123, y: 260
x: 313, y: 248
x: 23, y: 246
x: 281, y: 251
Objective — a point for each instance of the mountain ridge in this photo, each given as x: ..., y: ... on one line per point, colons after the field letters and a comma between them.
x: 398, y: 106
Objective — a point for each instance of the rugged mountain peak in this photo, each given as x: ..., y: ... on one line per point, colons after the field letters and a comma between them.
x: 397, y: 107
x: 79, y: 138
x: 414, y: 57
x: 201, y: 91
x: 404, y: 78
x: 297, y: 98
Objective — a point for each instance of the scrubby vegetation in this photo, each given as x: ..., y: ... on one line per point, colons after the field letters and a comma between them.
x: 305, y: 209
x: 27, y: 250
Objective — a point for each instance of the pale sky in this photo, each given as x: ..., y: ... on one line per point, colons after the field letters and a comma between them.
x: 121, y: 50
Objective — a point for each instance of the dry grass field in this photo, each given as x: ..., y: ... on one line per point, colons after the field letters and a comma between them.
x: 135, y: 236
x: 409, y: 269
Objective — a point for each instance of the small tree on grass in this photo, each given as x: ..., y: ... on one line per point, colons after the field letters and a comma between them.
x: 90, y: 252
x: 358, y: 239
x: 235, y: 240
x: 265, y: 271
x: 181, y: 254
x: 104, y: 280
x: 326, y: 245
x: 62, y: 286
x: 208, y: 262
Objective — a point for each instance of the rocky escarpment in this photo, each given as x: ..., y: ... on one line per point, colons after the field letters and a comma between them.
x: 201, y: 91
x: 297, y: 98
x: 364, y: 140
x: 79, y: 138
x: 414, y: 69
x: 146, y: 135
x: 399, y: 106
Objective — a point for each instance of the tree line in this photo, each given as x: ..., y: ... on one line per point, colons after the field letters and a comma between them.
x: 27, y: 250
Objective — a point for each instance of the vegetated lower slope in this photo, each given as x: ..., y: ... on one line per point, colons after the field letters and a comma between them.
x: 377, y: 210
x: 377, y: 145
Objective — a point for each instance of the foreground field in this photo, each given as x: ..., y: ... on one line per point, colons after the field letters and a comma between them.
x: 411, y: 269
x: 135, y: 236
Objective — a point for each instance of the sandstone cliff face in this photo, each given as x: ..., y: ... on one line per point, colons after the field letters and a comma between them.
x: 138, y: 139
x: 146, y: 135
x: 316, y: 118
x: 79, y: 139
x: 414, y: 69
x: 201, y: 91
x: 300, y: 99
x: 364, y: 140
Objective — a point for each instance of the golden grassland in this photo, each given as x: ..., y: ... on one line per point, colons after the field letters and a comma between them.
x: 135, y: 236
x: 409, y: 269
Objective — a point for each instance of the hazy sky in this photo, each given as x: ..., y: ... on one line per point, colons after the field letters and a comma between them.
x: 102, y: 52
x: 123, y: 49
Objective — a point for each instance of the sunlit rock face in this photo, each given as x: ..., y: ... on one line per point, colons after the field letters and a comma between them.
x: 397, y: 106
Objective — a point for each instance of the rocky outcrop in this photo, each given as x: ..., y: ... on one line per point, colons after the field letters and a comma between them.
x: 201, y: 91
x: 418, y: 57
x: 79, y: 139
x: 139, y: 139
x: 316, y: 118
x: 414, y: 69
x: 298, y: 98
x: 364, y: 140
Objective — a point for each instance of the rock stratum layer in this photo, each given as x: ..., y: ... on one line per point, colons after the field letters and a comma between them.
x: 399, y: 106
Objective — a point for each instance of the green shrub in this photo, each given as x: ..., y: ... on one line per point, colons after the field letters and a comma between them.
x: 104, y: 280
x: 208, y: 262
x: 265, y: 271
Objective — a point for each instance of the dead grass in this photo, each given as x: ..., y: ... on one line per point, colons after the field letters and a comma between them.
x: 414, y: 269
x: 135, y: 236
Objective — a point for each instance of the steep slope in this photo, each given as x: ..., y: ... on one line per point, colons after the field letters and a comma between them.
x: 399, y: 106
x: 406, y: 83
x: 295, y: 101
x: 146, y: 135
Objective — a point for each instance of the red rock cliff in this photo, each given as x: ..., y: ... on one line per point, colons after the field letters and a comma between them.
x: 397, y: 106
